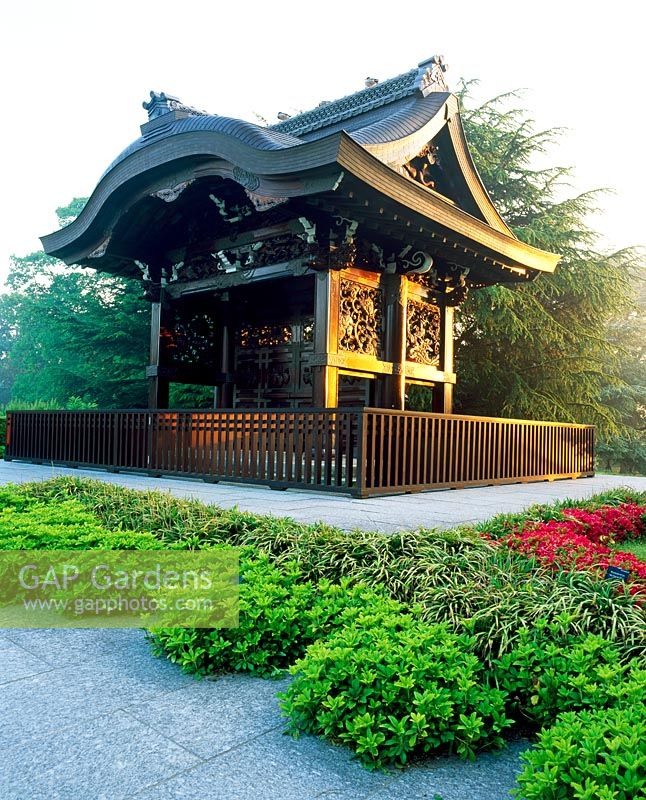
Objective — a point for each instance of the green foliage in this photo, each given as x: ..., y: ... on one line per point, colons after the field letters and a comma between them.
x: 189, y: 395
x: 625, y: 452
x: 273, y: 628
x: 72, y: 403
x: 592, y: 755
x: 280, y: 615
x: 637, y: 548
x: 546, y: 675
x: 541, y: 350
x: 390, y: 686
x: 401, y: 645
x: 27, y: 524
x: 72, y: 332
x: 454, y: 576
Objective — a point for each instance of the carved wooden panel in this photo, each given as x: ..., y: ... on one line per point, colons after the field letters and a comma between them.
x: 360, y: 319
x: 189, y: 339
x: 421, y: 167
x: 264, y: 335
x: 423, y: 333
x: 272, y: 365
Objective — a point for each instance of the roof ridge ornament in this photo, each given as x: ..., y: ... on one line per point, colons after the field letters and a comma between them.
x: 431, y: 75
x: 161, y: 103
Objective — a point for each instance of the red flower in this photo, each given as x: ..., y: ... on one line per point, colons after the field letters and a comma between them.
x: 579, y: 541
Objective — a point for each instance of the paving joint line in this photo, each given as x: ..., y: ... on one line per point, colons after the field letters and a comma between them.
x: 205, y: 761
x: 163, y: 735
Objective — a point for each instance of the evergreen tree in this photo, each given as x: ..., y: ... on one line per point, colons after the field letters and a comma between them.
x: 541, y: 350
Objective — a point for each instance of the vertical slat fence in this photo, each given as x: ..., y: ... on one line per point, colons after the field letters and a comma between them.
x: 359, y: 451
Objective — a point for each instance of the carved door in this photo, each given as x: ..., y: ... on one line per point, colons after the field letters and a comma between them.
x: 272, y: 365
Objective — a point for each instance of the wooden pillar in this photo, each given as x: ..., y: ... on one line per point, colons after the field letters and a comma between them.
x: 158, y: 385
x: 443, y: 393
x: 325, y: 377
x: 394, y: 386
x: 225, y: 395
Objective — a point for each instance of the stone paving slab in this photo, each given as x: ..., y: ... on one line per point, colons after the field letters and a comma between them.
x: 17, y: 663
x: 444, y: 508
x: 210, y: 719
x: 489, y: 777
x: 47, y: 703
x: 274, y: 767
x: 60, y: 647
x: 106, y: 758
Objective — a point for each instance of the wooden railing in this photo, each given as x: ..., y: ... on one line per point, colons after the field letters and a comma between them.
x: 359, y: 451
x: 412, y: 452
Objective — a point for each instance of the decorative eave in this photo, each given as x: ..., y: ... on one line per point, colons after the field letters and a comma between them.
x: 372, y: 172
x: 283, y: 172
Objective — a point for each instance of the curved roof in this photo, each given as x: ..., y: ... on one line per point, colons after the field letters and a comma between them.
x: 369, y: 135
x: 245, y: 132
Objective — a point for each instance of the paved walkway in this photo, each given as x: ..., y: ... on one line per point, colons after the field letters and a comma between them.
x: 445, y: 508
x: 92, y: 715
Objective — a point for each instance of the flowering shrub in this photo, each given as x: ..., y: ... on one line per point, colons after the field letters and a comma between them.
x: 580, y: 541
x: 610, y: 523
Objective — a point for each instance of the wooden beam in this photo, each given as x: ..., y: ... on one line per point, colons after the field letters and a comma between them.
x: 443, y: 392
x: 224, y: 396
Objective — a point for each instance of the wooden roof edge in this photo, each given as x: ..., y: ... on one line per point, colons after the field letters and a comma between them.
x: 164, y: 155
x: 470, y: 172
x: 356, y: 160
x: 188, y: 151
x: 405, y: 148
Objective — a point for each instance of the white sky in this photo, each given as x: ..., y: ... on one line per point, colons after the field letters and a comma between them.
x: 75, y: 75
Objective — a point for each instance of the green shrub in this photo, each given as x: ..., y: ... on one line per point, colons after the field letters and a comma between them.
x: 170, y: 519
x: 591, y: 755
x: 495, y: 595
x: 280, y: 615
x: 26, y: 524
x: 545, y: 676
x: 390, y: 686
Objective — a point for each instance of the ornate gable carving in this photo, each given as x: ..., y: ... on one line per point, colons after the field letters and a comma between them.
x: 421, y: 167
x: 432, y: 79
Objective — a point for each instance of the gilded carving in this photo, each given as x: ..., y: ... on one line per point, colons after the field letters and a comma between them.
x: 420, y: 168
x: 101, y: 249
x: 445, y: 280
x: 262, y: 202
x: 423, y: 333
x: 279, y: 249
x: 170, y: 193
x: 360, y: 319
x: 264, y: 335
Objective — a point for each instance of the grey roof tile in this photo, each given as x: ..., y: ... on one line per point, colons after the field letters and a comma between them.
x: 351, y: 106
